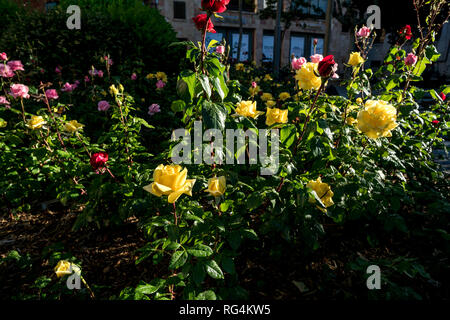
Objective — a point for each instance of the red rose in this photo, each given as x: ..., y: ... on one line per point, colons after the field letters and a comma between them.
x: 435, y: 122
x: 200, y: 22
x: 443, y: 96
x: 215, y: 5
x: 327, y: 66
x: 406, y: 32
x: 98, y: 160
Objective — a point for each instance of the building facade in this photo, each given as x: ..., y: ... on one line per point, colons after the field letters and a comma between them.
x: 258, y: 34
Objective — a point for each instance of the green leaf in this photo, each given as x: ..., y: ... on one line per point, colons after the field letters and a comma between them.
x: 199, y: 273
x: 212, y: 43
x: 214, y: 115
x: 178, y: 106
x: 287, y: 135
x: 186, y: 85
x: 179, y: 258
x: 254, y: 200
x: 200, y: 251
x: 220, y: 86
x: 213, y: 270
x: 204, y: 80
x: 150, y: 288
x: 235, y: 239
x: 207, y: 295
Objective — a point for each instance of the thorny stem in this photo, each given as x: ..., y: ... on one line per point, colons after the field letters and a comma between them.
x: 23, y: 111
x: 53, y: 119
x: 126, y: 131
x: 208, y: 16
x: 175, y: 214
x: 308, y: 117
x: 304, y: 129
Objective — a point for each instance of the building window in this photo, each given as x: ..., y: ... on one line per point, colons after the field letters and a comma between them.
x: 302, y: 45
x: 247, y: 5
x: 231, y: 36
x: 50, y: 5
x: 268, y: 44
x: 179, y: 10
x: 298, y: 46
x: 314, y: 8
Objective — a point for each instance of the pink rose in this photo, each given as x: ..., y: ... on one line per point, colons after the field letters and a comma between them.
x: 154, y: 108
x: 19, y: 91
x: 316, y: 58
x: 58, y: 69
x: 5, y: 71
x: 254, y: 84
x: 4, y: 101
x: 160, y: 84
x: 93, y: 72
x: 100, y: 73
x: 298, y: 63
x: 410, y: 59
x: 103, y: 105
x: 68, y: 87
x: 364, y: 32
x: 3, y: 56
x: 220, y: 49
x: 86, y: 79
x: 16, y: 65
x: 51, y: 94
x: 133, y: 76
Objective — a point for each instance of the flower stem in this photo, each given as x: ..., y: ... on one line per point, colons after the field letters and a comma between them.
x: 175, y: 214
x: 308, y: 117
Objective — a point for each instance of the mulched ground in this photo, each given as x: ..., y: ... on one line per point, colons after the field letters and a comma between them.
x: 108, y: 260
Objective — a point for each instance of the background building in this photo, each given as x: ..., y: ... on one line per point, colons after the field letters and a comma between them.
x: 258, y: 35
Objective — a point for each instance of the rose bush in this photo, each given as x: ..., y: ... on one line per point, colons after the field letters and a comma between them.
x: 362, y: 159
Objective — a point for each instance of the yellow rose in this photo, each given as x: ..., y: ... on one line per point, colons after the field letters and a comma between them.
x: 284, y: 96
x: 161, y: 76
x: 73, y: 126
x: 3, y: 123
x: 63, y: 268
x: 267, y: 77
x: 377, y: 119
x: 150, y: 76
x: 240, y: 67
x: 216, y: 186
x: 355, y: 59
x: 266, y: 96
x: 359, y: 101
x: 351, y: 120
x: 276, y: 116
x: 36, y: 122
x: 254, y: 91
x: 247, y: 109
x: 270, y: 103
x: 306, y: 77
x: 170, y: 180
x: 113, y: 90
x: 323, y: 191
